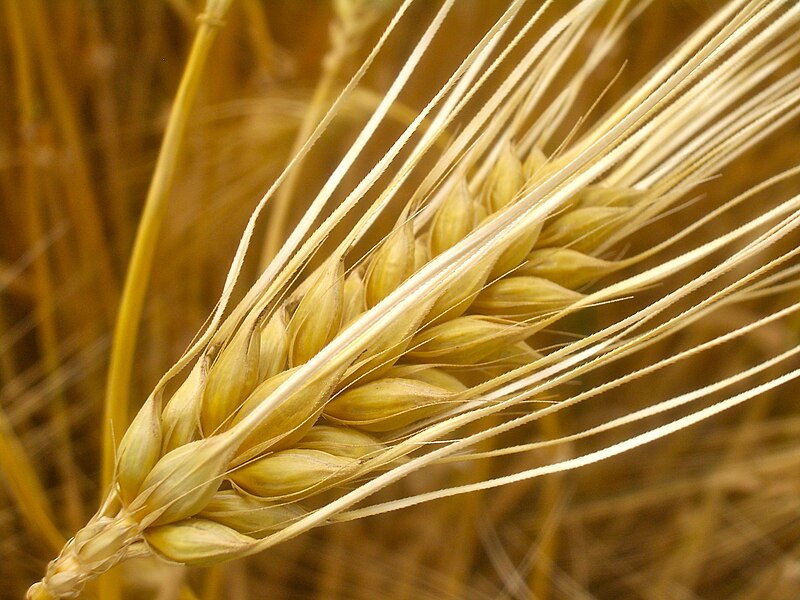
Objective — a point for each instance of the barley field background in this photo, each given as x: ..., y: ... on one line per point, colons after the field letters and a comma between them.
x: 711, y: 511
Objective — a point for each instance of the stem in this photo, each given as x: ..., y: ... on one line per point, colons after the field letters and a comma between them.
x: 138, y: 275
x: 126, y: 329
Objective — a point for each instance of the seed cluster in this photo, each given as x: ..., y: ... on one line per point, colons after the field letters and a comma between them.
x: 322, y: 434
x: 186, y: 494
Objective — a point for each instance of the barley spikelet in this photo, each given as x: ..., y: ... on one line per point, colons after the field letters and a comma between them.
x: 326, y: 384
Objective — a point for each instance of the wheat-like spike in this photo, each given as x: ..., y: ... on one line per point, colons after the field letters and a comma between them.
x: 341, y: 380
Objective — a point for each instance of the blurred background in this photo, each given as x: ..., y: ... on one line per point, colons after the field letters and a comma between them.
x: 86, y: 88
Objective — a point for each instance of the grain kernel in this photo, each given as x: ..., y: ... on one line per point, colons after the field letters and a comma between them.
x: 289, y: 472
x: 388, y: 404
x: 249, y: 515
x: 288, y: 421
x: 566, y: 267
x: 465, y: 340
x: 319, y: 314
x: 523, y: 297
x: 139, y: 450
x: 344, y: 442
x: 231, y: 378
x: 197, y: 542
x: 181, y: 416
x: 583, y: 229
x: 454, y: 219
x: 182, y: 482
x: 273, y: 346
x: 391, y: 264
x: 504, y: 181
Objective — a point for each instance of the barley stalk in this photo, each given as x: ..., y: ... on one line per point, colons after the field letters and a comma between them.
x: 308, y: 397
